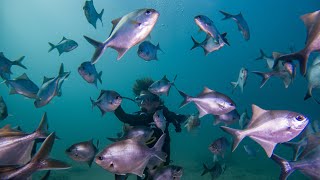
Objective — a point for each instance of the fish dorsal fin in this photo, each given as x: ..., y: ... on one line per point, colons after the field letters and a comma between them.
x: 63, y: 39
x: 46, y: 79
x: 310, y: 19
x: 1, y: 54
x: 23, y: 76
x: 207, y: 90
x: 256, y: 113
x: 114, y: 24
x: 101, y: 93
x: 165, y: 78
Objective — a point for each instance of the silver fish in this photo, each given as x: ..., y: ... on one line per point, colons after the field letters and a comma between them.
x: 216, y: 171
x: 6, y: 64
x: 107, y: 101
x: 160, y: 120
x: 162, y: 86
x: 129, y: 156
x: 16, y: 146
x: 170, y: 172
x: 40, y: 161
x: 89, y: 73
x: 139, y: 133
x: 268, y: 59
x: 147, y: 51
x: 3, y: 109
x: 65, y: 45
x: 241, y: 22
x: 50, y: 88
x: 127, y: 31
x: 192, y: 122
x: 228, y: 118
x: 83, y: 151
x: 269, y: 127
x: 219, y: 146
x: 242, y: 79
x: 91, y: 13
x: 313, y: 78
x: 209, y: 102
x: 284, y: 75
x: 207, y: 25
x: 312, y: 23
x: 24, y: 86
x: 209, y: 45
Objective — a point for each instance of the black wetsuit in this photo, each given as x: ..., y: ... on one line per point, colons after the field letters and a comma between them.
x: 142, y: 118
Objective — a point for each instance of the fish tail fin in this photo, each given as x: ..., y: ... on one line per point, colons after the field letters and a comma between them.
x: 158, y: 48
x: 262, y: 55
x: 99, y: 77
x: 195, y: 43
x: 18, y: 62
x: 286, y: 168
x: 205, y: 169
x: 224, y: 38
x: 61, y: 71
x: 52, y: 46
x: 41, y: 161
x: 185, y: 97
x: 100, y: 48
x: 100, y: 16
x: 234, y: 84
x: 302, y: 56
x: 157, y: 148
x: 296, y: 146
x: 265, y: 77
x: 226, y: 15
x: 93, y: 103
x: 42, y: 130
x: 237, y: 136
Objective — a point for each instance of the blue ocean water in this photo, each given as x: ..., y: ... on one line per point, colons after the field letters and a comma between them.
x: 28, y: 26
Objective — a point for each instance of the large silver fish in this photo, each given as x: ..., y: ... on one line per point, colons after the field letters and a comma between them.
x: 241, y: 22
x: 208, y: 27
x: 65, y: 45
x: 83, y: 151
x: 50, y: 88
x: 24, y: 86
x: 209, y: 45
x: 313, y: 77
x: 16, y: 146
x: 91, y: 13
x: 3, y: 109
x: 242, y: 79
x: 209, y: 102
x: 312, y: 23
x: 107, y: 101
x: 269, y: 127
x: 127, y: 31
x: 162, y: 86
x: 39, y: 162
x: 129, y: 156
x: 308, y: 162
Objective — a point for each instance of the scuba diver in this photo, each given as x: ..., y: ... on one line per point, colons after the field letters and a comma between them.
x: 149, y: 103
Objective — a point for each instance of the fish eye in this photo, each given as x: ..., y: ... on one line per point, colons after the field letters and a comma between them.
x: 148, y: 12
x: 300, y: 118
x: 118, y: 97
x: 231, y: 104
x: 100, y: 158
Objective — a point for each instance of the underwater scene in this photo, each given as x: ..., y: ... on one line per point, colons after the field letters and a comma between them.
x: 159, y: 89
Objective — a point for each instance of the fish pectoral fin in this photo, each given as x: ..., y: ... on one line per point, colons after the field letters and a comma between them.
x: 140, y: 168
x: 202, y: 111
x: 266, y: 145
x: 121, y: 51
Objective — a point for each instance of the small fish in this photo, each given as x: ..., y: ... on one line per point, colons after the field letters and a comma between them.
x: 40, y: 161
x: 83, y: 151
x: 129, y: 156
x: 65, y: 45
x: 207, y: 25
x: 228, y: 118
x: 170, y: 172
x: 91, y: 13
x: 242, y: 79
x: 250, y: 151
x: 3, y: 109
x: 219, y: 146
x: 269, y: 127
x: 244, y: 120
x: 107, y: 101
x: 89, y: 73
x: 127, y: 31
x: 216, y: 171
x: 147, y: 51
x: 160, y: 120
x: 6, y: 64
x: 312, y: 23
x: 24, y: 86
x: 284, y: 75
x: 139, y: 133
x: 192, y: 122
x: 209, y: 102
x: 241, y: 22
x: 162, y: 86
x: 50, y: 88
x: 268, y: 59
x: 209, y: 45
x: 313, y: 78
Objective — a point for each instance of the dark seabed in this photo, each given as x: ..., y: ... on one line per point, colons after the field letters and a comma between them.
x: 28, y: 26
